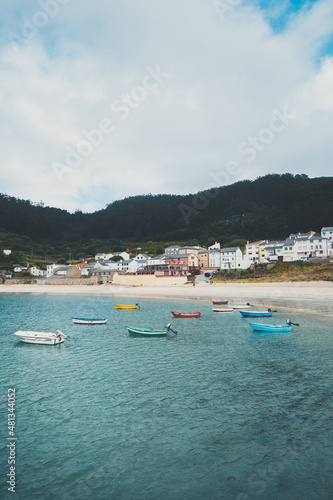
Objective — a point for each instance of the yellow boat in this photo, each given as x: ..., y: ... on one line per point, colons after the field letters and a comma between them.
x: 120, y: 306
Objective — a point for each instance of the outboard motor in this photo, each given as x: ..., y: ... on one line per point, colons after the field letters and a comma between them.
x: 168, y: 327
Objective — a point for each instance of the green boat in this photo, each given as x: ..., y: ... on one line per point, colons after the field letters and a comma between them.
x: 146, y: 332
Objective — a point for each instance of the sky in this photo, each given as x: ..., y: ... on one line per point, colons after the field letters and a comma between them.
x: 104, y: 100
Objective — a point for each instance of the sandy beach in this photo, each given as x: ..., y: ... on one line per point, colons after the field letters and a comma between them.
x: 310, y: 296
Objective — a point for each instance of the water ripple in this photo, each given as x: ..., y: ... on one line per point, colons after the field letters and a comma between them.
x: 216, y: 412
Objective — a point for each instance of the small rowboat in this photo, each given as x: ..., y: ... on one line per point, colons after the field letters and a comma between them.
x: 41, y: 337
x: 217, y: 302
x: 146, y: 332
x: 257, y: 314
x: 260, y: 327
x: 186, y: 315
x: 222, y: 309
x: 120, y: 306
x: 242, y: 307
x: 89, y: 321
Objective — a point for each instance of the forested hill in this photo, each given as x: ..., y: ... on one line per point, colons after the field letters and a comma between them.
x: 270, y: 207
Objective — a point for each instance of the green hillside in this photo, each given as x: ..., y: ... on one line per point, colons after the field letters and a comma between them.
x: 270, y: 207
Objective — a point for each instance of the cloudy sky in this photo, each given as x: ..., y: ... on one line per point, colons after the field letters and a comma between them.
x: 107, y: 99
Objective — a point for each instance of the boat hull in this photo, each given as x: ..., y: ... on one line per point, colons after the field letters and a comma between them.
x: 186, y: 315
x: 43, y: 338
x: 86, y: 321
x: 260, y: 327
x: 120, y: 306
x: 219, y: 302
x: 222, y: 309
x: 256, y: 314
x: 142, y: 332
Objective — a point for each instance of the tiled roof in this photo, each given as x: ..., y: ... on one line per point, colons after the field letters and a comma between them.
x: 256, y: 242
x: 178, y: 255
x: 231, y: 249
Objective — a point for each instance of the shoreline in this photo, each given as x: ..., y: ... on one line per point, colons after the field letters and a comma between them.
x: 302, y: 296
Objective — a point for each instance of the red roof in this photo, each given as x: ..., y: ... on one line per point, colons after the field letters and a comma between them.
x: 256, y: 242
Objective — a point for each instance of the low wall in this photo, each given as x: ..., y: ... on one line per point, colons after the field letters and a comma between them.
x: 72, y: 281
x: 18, y: 281
x: 147, y: 280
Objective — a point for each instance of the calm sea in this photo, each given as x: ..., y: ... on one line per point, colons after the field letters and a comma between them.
x: 216, y: 412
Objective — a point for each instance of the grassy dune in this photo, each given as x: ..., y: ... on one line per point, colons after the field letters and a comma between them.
x: 281, y: 271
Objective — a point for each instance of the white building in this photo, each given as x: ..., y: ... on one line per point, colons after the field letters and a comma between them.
x: 157, y: 260
x: 172, y: 249
x: 35, y: 271
x: 215, y: 259
x: 274, y: 250
x: 18, y: 268
x: 216, y: 246
x: 103, y: 256
x: 231, y: 258
x: 129, y: 266
x: 141, y: 257
x: 107, y: 265
x: 123, y: 255
x: 51, y: 268
x: 61, y: 271
x: 300, y: 246
x: 252, y: 252
x: 327, y: 232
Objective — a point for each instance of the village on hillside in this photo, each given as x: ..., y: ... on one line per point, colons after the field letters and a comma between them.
x: 189, y: 260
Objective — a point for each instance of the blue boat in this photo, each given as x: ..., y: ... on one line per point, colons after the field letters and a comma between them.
x: 257, y: 314
x: 260, y: 327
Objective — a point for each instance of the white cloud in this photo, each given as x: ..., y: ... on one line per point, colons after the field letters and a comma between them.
x: 225, y: 79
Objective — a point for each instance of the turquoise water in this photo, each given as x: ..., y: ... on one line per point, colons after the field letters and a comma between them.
x: 215, y: 412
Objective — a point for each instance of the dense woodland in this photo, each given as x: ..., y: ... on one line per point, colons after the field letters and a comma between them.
x: 271, y: 207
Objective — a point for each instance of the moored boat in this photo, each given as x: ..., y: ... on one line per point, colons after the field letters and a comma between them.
x: 124, y: 306
x: 89, y: 321
x: 257, y: 314
x: 241, y: 306
x: 260, y: 327
x: 222, y: 309
x: 146, y: 332
x: 218, y: 302
x: 186, y: 315
x: 46, y: 338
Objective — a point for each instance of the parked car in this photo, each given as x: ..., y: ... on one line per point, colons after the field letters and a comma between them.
x: 210, y: 274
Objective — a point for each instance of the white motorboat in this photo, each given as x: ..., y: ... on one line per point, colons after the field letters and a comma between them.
x: 222, y: 309
x: 240, y: 306
x: 89, y: 321
x: 45, y: 338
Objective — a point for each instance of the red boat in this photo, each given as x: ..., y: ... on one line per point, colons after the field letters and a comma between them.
x: 219, y: 302
x: 186, y: 315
